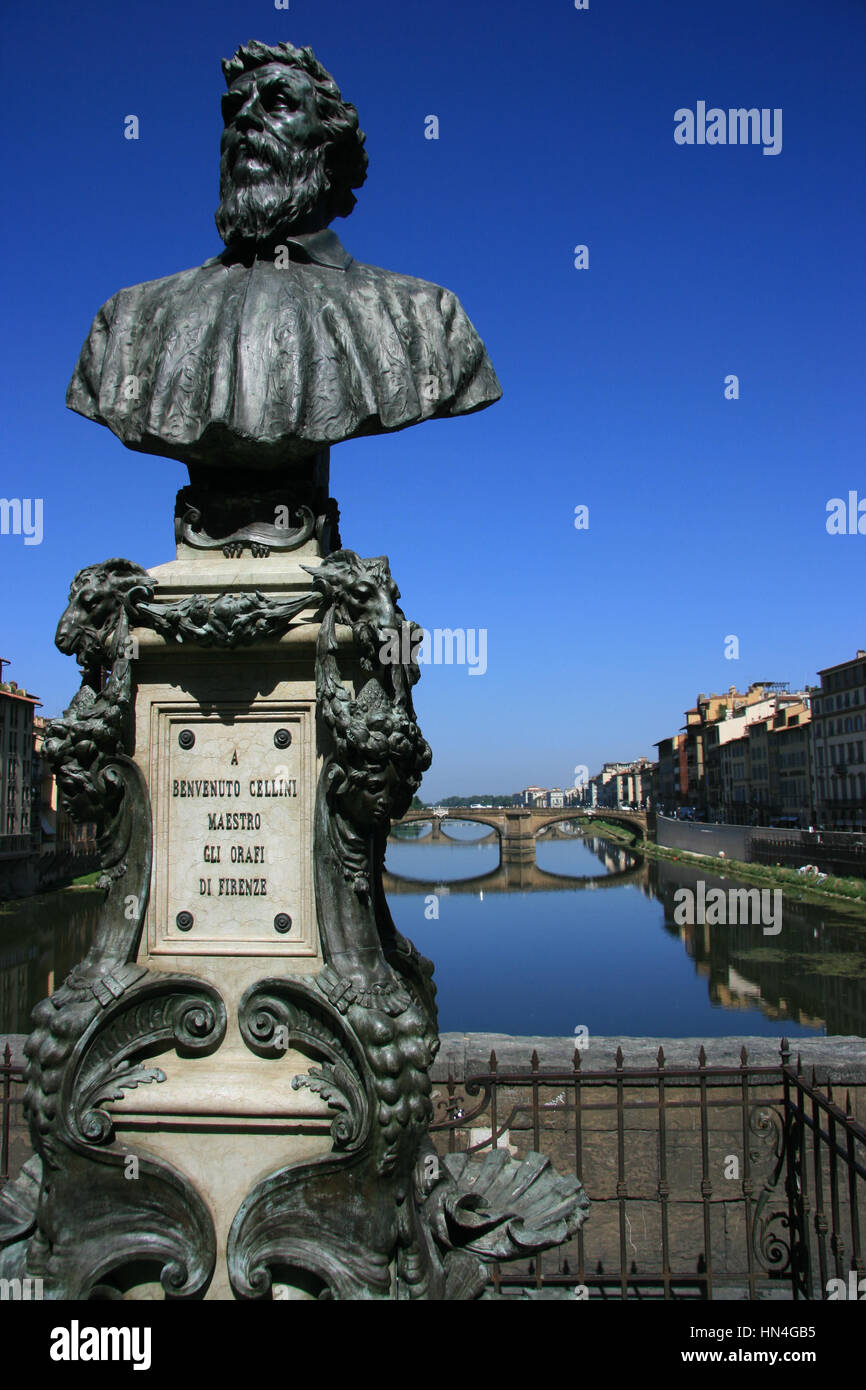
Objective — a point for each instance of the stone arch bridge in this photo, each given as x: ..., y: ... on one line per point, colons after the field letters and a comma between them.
x: 517, y: 828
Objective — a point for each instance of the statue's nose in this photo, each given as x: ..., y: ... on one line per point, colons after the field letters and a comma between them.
x: 388, y: 618
x: 250, y: 115
x: 63, y: 636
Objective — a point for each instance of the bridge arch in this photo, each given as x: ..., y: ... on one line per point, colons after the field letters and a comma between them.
x: 490, y: 826
x: 634, y: 821
x: 492, y: 819
x: 429, y: 821
x: 518, y: 827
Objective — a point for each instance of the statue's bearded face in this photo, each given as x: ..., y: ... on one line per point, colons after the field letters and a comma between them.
x: 273, y: 174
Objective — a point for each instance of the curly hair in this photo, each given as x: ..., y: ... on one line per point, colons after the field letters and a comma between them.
x: 345, y: 156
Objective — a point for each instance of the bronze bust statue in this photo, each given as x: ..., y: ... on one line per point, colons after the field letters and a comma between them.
x: 284, y: 344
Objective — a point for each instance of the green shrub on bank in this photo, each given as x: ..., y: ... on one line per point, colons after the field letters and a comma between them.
x: 833, y: 886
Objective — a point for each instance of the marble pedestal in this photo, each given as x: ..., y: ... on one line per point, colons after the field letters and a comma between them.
x: 230, y: 1095
x: 227, y: 742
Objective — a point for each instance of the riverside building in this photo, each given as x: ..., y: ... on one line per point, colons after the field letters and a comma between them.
x: 838, y: 761
x: 19, y: 824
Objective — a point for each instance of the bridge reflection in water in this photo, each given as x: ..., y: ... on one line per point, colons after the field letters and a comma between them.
x: 621, y: 866
x: 535, y: 960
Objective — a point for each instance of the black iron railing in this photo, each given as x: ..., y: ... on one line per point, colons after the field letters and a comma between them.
x: 744, y: 1180
x: 9, y: 1076
x: 825, y: 1181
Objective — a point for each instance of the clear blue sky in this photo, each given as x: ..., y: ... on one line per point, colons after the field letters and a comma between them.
x: 707, y: 516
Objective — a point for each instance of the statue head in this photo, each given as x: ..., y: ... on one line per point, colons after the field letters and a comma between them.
x: 91, y: 628
x: 365, y: 598
x: 291, y: 151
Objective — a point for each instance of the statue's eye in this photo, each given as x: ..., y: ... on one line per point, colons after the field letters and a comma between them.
x: 276, y: 99
x: 87, y: 599
x: 231, y: 105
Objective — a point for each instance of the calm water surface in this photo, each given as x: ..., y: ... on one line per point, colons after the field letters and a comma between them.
x: 586, y: 937
x: 545, y: 957
x: 40, y: 940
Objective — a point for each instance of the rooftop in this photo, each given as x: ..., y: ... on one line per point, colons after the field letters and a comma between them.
x: 824, y: 670
x: 11, y: 688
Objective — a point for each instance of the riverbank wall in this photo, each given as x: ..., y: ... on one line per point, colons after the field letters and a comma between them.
x: 837, y: 852
x: 838, y: 1059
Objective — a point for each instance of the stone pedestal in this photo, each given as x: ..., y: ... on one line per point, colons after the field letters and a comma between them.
x: 227, y: 742
x: 230, y: 1095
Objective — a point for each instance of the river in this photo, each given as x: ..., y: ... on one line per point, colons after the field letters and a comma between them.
x: 549, y: 958
x: 589, y: 940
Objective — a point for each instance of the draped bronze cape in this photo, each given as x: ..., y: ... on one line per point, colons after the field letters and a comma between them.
x: 253, y: 362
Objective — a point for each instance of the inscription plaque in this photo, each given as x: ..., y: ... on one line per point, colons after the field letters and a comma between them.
x: 234, y: 801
